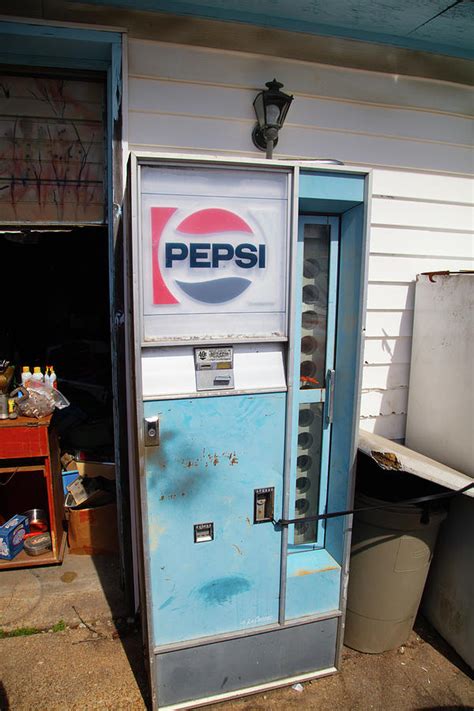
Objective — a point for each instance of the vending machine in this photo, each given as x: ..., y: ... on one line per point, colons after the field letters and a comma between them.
x: 248, y: 299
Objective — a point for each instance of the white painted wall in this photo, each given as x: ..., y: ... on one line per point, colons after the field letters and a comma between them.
x: 415, y: 133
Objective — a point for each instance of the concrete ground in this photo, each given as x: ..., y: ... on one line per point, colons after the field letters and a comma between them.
x: 94, y: 658
x: 96, y: 668
x: 82, y: 587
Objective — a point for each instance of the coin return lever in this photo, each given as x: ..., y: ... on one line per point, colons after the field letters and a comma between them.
x: 214, y: 368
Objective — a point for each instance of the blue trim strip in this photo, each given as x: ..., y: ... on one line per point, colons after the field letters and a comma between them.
x: 54, y: 62
x: 235, y: 14
x: 324, y: 186
x: 53, y: 32
x: 309, y: 396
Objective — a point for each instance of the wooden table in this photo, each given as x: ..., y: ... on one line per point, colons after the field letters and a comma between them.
x: 29, y: 449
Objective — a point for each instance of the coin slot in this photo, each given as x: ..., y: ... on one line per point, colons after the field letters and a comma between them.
x: 203, y: 532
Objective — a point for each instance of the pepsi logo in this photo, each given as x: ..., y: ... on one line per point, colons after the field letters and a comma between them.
x: 215, y: 243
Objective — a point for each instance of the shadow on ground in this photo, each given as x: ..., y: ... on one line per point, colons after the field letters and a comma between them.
x: 127, y: 625
x: 428, y: 633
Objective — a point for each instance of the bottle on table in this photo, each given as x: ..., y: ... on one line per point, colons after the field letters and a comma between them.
x: 25, y: 374
x: 50, y: 377
x: 37, y: 374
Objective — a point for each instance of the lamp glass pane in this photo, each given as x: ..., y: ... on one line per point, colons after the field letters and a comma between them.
x: 259, y: 107
x: 273, y: 114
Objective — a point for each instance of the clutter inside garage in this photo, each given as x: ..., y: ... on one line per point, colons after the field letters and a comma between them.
x: 57, y: 480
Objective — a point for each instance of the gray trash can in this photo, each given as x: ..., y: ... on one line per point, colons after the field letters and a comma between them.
x: 391, y: 554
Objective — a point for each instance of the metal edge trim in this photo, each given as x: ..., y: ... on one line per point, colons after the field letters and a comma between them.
x: 212, y: 340
x: 251, y: 690
x: 152, y: 157
x: 293, y: 216
x: 251, y: 632
x: 135, y: 270
x: 356, y: 413
x: 212, y: 393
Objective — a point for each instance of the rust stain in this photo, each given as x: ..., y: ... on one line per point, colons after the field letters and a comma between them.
x: 386, y: 460
x: 303, y: 571
x: 233, y: 459
x: 188, y: 463
x: 237, y: 549
x: 215, y: 461
x: 430, y: 275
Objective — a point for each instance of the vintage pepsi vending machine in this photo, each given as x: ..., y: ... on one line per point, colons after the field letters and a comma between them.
x: 248, y: 298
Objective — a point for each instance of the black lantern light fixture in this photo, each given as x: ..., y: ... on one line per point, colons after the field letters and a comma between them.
x: 271, y: 107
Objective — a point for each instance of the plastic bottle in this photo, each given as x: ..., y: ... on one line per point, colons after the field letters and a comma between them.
x: 25, y: 374
x: 53, y: 381
x: 12, y: 412
x: 37, y: 374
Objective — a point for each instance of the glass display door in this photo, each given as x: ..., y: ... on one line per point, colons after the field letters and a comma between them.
x: 315, y: 307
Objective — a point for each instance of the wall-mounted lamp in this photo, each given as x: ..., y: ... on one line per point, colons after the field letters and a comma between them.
x: 271, y: 107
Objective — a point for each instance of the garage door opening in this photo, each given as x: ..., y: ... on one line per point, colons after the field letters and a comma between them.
x: 56, y: 311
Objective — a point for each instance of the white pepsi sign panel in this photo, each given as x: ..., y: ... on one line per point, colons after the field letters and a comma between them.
x: 214, y: 253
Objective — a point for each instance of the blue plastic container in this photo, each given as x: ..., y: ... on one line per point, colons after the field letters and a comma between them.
x: 68, y: 478
x: 12, y: 534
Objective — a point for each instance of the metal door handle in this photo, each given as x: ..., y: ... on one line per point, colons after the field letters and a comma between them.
x: 330, y: 383
x: 152, y: 431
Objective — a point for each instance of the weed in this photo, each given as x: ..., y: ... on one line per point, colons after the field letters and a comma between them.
x: 27, y: 631
x: 19, y: 632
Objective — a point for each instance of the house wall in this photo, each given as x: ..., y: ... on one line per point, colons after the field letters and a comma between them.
x: 415, y: 133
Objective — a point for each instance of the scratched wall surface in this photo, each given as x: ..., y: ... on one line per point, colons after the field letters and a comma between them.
x: 51, y: 150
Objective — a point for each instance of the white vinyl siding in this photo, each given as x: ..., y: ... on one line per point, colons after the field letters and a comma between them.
x: 416, y: 134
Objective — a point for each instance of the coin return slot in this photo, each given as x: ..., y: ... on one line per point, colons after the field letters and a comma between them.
x: 203, y: 532
x: 214, y: 368
x: 263, y: 505
x: 222, y: 380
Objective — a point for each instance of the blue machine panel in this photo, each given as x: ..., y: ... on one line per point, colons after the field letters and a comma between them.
x: 213, y: 453
x: 313, y: 584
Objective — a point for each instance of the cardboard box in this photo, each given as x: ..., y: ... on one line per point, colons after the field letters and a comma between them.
x: 93, y: 531
x: 93, y: 469
x: 12, y: 534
